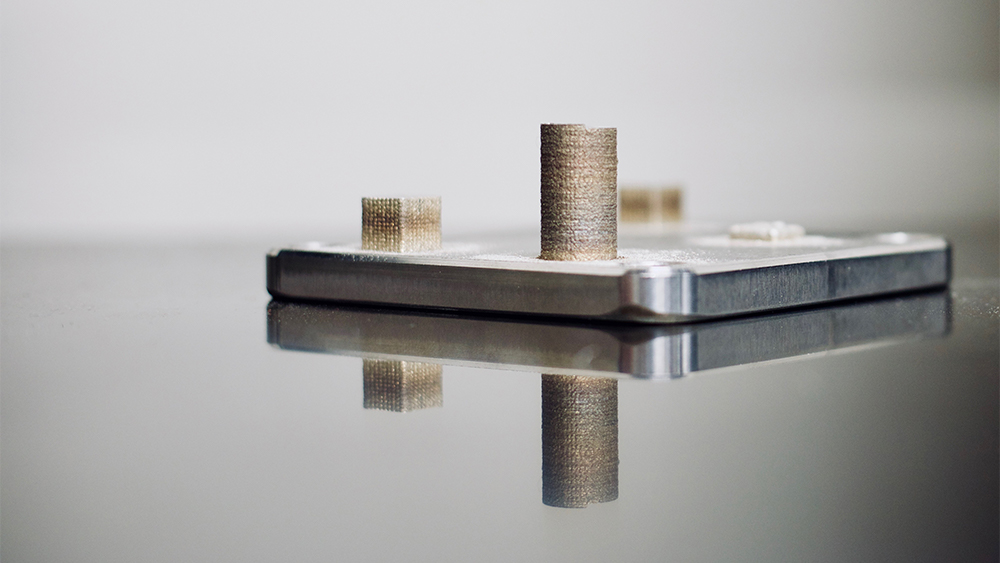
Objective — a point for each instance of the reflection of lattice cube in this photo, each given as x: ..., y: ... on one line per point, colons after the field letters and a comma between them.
x: 398, y: 386
x: 642, y: 205
x: 579, y: 440
x: 401, y: 224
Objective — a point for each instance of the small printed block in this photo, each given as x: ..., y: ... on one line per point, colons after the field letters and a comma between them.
x: 670, y: 204
x: 644, y: 205
x: 401, y: 224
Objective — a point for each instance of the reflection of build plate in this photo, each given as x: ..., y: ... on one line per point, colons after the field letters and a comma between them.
x: 603, y: 349
x: 658, y: 277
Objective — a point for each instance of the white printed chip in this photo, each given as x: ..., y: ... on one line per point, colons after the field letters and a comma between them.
x: 766, y: 230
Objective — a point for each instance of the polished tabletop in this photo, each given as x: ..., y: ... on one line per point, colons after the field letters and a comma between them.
x: 157, y: 406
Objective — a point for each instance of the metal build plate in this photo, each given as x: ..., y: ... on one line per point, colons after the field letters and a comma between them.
x: 605, y: 349
x: 660, y: 276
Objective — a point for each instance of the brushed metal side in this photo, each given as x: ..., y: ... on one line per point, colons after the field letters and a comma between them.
x: 321, y: 276
x: 655, y: 290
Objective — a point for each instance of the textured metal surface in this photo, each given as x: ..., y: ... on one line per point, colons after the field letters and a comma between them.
x: 401, y: 224
x: 579, y: 440
x: 644, y: 351
x: 659, y: 277
x: 579, y: 198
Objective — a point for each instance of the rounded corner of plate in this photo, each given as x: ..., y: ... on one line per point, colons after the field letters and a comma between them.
x: 656, y: 295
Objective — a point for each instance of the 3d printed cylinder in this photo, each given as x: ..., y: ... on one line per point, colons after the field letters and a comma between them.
x: 579, y: 193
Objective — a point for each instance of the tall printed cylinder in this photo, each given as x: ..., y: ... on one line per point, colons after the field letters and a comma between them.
x: 579, y: 193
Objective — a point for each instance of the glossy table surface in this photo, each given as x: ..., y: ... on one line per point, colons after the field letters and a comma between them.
x: 146, y: 417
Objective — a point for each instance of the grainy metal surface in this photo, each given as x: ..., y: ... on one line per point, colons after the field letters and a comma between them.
x: 401, y: 224
x: 665, y: 277
x: 579, y: 440
x: 579, y: 201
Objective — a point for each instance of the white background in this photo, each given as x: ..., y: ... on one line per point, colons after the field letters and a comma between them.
x: 230, y: 119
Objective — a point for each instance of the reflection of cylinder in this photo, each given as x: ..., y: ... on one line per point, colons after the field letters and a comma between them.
x: 579, y: 193
x: 579, y: 440
x: 392, y: 385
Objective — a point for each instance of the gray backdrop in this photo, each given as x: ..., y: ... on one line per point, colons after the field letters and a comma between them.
x: 225, y: 118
